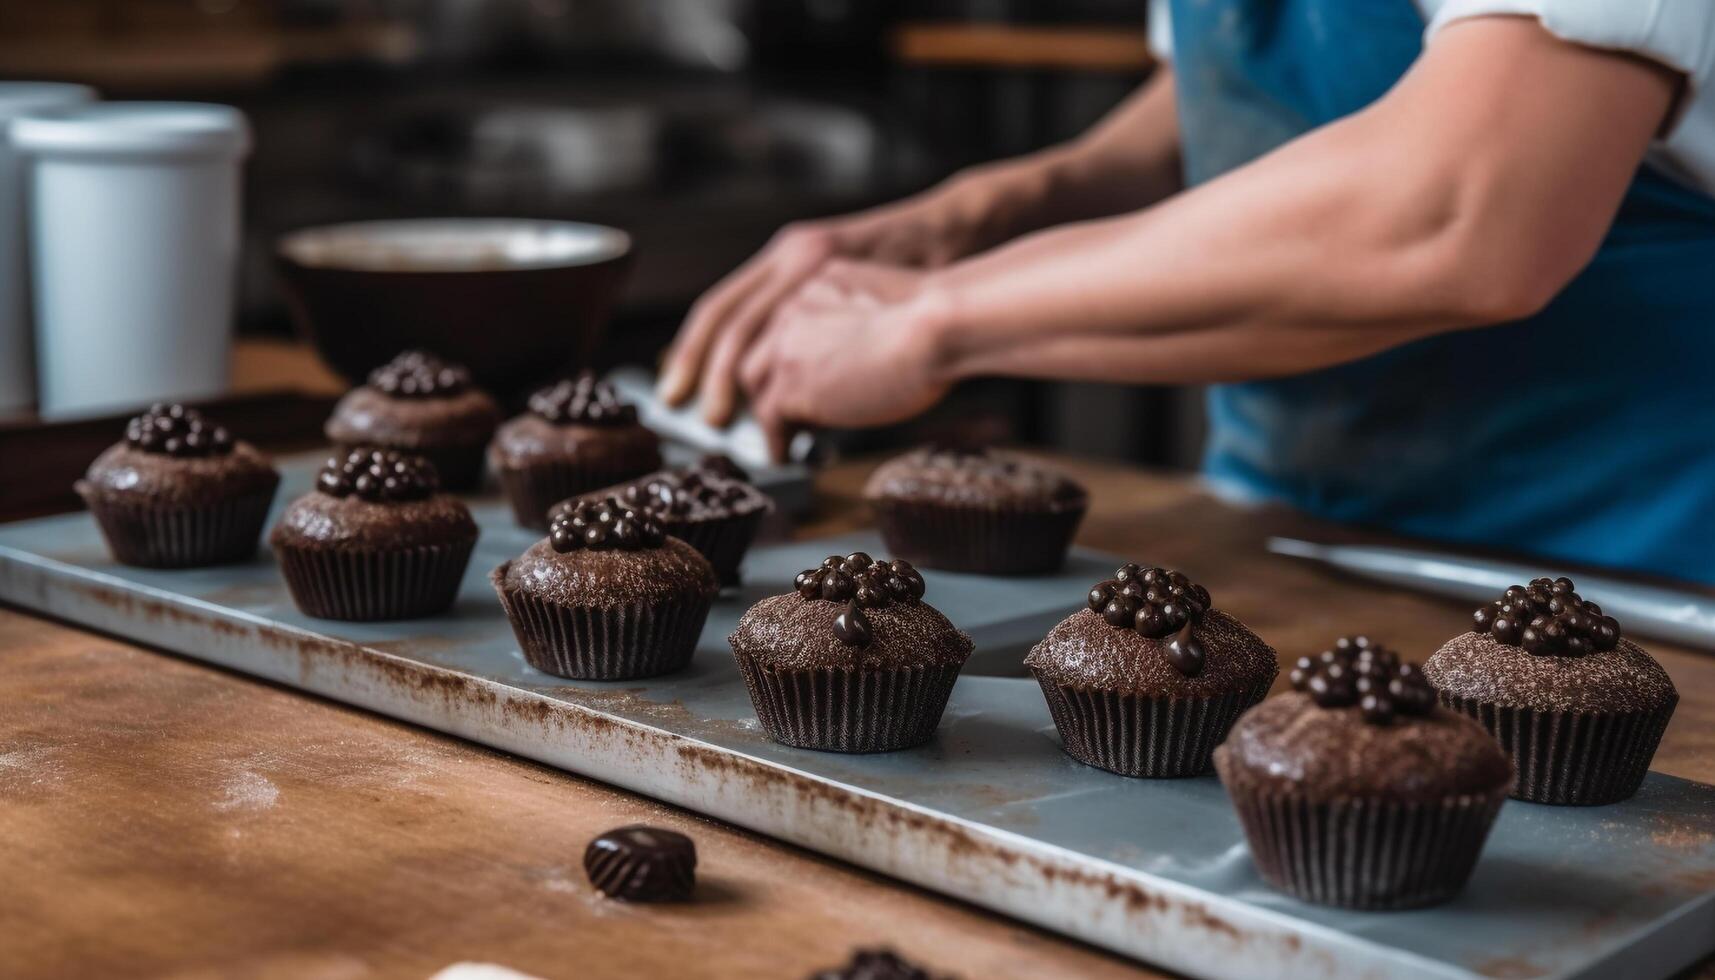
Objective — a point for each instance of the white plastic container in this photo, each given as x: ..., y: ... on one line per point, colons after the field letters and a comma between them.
x: 134, y: 220
x: 17, y: 353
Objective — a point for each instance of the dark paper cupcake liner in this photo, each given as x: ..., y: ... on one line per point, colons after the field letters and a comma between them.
x: 360, y: 585
x: 536, y: 487
x: 834, y: 710
x: 723, y: 541
x: 1571, y: 758
x: 596, y: 643
x: 152, y: 535
x: 460, y: 468
x: 1365, y: 854
x: 1156, y: 738
x: 983, y: 540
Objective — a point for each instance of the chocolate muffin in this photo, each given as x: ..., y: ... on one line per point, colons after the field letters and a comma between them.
x: 607, y: 595
x: 1357, y: 790
x: 709, y: 505
x: 1579, y: 707
x: 975, y: 510
x: 419, y: 404
x: 374, y: 540
x: 852, y: 661
x: 577, y: 437
x: 1147, y: 680
x: 178, y: 492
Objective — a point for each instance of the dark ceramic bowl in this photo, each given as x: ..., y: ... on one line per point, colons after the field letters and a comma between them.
x: 517, y: 301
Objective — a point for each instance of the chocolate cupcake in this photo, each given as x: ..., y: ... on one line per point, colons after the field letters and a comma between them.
x: 577, y: 437
x: 419, y: 404
x: 1147, y: 680
x: 1579, y: 707
x: 607, y: 595
x: 853, y: 661
x: 178, y: 492
x: 709, y: 505
x: 984, y: 511
x: 374, y: 540
x: 1357, y: 790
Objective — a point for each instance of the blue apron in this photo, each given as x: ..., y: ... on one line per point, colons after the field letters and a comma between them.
x: 1584, y: 433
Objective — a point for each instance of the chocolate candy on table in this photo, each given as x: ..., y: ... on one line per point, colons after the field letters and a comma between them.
x: 418, y: 374
x: 608, y: 524
x: 378, y: 476
x: 1548, y: 618
x: 876, y: 964
x: 583, y: 400
x: 642, y: 864
x: 1358, y: 671
x: 862, y: 583
x: 175, y: 430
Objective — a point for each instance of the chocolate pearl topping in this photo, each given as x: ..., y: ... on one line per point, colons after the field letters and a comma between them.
x: 1548, y: 618
x: 378, y: 475
x: 418, y: 374
x: 1156, y: 602
x: 605, y: 525
x: 1359, y: 671
x: 875, y: 964
x: 694, y: 492
x: 722, y: 465
x: 584, y: 401
x: 862, y: 583
x: 174, y: 430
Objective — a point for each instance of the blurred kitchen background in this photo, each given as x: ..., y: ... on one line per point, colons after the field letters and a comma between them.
x: 699, y: 126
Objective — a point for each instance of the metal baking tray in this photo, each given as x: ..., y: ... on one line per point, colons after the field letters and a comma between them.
x: 990, y: 811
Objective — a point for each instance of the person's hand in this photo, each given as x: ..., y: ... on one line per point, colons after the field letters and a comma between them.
x: 853, y: 347
x: 924, y: 232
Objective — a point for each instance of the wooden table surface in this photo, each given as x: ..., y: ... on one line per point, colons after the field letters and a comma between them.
x: 161, y: 817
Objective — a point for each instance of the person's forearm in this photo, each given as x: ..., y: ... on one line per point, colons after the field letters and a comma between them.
x: 1127, y: 161
x: 1424, y: 214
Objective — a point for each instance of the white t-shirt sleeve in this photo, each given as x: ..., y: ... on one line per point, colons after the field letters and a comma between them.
x: 1677, y: 33
x: 1161, y: 28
